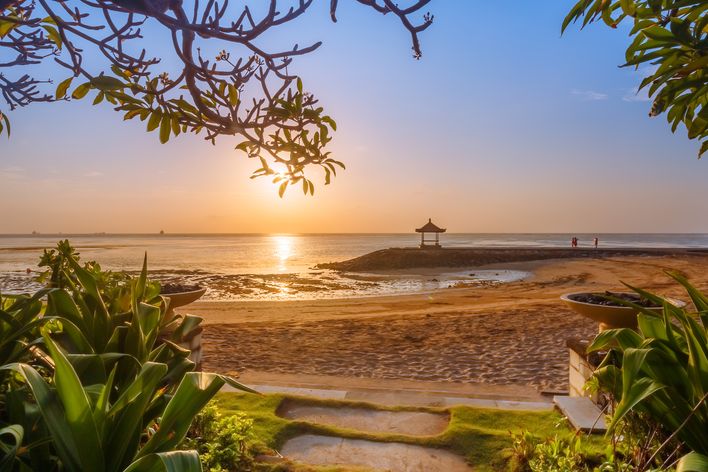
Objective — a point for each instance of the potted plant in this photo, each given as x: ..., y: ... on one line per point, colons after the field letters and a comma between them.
x: 614, y: 309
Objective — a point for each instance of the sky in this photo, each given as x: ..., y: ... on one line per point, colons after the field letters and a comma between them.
x: 502, y: 126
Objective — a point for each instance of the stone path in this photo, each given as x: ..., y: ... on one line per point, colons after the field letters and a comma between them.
x: 399, y: 392
x: 378, y: 455
x: 412, y: 423
x: 393, y: 457
x: 582, y: 413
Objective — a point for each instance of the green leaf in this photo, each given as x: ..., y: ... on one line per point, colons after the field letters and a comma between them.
x: 99, y: 98
x: 173, y: 461
x: 6, y: 26
x: 154, y: 121
x: 63, y: 87
x: 127, y: 414
x: 628, y: 7
x: 693, y: 462
x: 194, y: 391
x: 281, y: 189
x: 107, y: 83
x: 77, y: 408
x: 16, y: 433
x: 165, y: 129
x: 81, y: 91
x: 4, y: 118
x: 233, y: 95
x: 243, y: 146
x: 53, y: 415
x: 53, y: 34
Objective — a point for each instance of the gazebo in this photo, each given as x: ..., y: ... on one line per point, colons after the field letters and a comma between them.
x: 429, y: 227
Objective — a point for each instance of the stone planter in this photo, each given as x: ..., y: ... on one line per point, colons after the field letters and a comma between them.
x: 610, y: 317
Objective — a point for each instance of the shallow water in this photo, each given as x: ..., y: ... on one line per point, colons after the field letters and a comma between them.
x: 279, y: 267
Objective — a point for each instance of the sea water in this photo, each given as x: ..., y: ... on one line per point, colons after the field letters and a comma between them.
x: 281, y: 266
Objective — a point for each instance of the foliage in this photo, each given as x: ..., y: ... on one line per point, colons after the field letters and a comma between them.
x: 19, y: 320
x: 671, y: 40
x: 523, y: 447
x: 89, y: 380
x: 221, y: 440
x: 661, y: 372
x: 220, y: 80
x: 557, y: 454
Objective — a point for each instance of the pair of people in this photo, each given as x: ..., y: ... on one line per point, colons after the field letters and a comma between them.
x: 574, y: 242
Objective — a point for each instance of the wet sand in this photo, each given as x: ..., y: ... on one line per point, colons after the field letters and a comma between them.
x: 501, y: 334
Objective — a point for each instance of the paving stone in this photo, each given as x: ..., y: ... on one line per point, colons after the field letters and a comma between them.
x: 394, y: 457
x: 582, y: 413
x: 413, y: 423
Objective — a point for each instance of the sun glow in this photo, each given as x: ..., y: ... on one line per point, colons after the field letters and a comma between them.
x: 283, y: 250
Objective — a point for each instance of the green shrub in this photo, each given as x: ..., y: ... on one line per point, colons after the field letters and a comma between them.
x: 89, y: 381
x: 523, y: 447
x: 222, y: 441
x: 658, y: 376
x: 554, y: 454
x: 557, y: 454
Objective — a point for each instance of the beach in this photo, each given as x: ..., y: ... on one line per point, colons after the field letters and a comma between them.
x: 512, y: 333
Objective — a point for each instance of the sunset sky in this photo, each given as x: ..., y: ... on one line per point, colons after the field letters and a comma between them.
x: 502, y: 126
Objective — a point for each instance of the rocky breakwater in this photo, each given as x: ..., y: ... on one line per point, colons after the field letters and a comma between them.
x: 414, y: 258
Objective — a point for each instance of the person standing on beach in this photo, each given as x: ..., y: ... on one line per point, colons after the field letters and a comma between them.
x: 574, y: 242
x: 595, y: 241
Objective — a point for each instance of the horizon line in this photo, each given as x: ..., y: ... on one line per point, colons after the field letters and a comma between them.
x: 412, y: 232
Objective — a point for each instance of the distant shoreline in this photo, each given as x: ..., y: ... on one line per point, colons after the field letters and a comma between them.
x: 417, y: 258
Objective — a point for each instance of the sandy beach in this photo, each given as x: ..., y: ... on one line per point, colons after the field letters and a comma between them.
x: 499, y: 334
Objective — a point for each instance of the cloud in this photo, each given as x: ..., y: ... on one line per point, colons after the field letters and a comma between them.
x: 589, y: 95
x: 93, y: 173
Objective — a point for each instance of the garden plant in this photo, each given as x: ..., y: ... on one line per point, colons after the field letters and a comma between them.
x: 93, y: 376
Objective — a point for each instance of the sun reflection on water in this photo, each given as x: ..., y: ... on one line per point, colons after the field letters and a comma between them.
x: 283, y: 250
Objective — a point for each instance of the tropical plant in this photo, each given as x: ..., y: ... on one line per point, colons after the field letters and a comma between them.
x: 671, y: 40
x: 661, y: 372
x: 99, y: 388
x: 20, y: 319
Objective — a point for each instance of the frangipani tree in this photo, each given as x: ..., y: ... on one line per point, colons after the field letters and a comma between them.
x: 224, y: 82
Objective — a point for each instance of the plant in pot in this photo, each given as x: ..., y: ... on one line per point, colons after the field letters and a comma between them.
x: 660, y: 373
x: 615, y: 309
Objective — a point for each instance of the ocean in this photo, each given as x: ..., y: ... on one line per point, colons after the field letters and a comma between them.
x: 281, y: 266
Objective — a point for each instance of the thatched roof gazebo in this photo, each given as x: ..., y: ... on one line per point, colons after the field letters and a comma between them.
x: 430, y: 227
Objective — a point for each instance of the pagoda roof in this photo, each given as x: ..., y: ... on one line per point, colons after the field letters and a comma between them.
x: 430, y: 227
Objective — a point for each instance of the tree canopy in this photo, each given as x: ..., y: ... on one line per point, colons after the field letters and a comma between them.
x: 670, y: 39
x: 225, y: 82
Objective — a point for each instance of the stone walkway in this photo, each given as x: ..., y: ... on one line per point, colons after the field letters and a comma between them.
x: 382, y: 456
x: 412, y: 423
x: 393, y: 457
x: 400, y: 392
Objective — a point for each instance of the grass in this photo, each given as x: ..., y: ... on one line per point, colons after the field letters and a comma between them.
x: 482, y: 436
